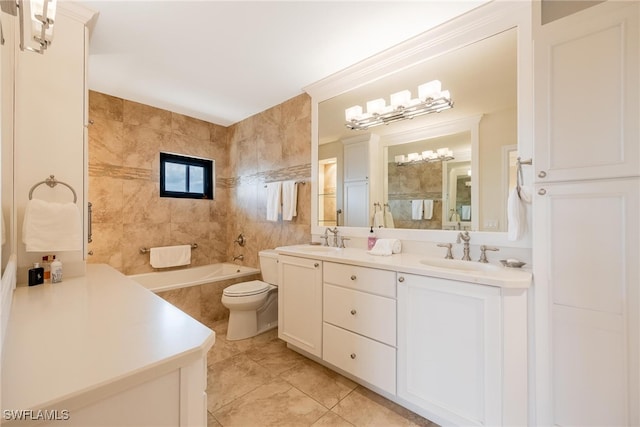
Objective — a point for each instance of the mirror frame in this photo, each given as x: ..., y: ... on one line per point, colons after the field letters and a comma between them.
x: 487, y: 20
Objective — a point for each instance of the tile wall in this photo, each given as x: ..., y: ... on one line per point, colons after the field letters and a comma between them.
x: 124, y: 144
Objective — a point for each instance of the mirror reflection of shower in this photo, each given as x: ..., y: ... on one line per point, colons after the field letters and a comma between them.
x: 327, y: 200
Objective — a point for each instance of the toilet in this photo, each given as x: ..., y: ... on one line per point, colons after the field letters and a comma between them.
x: 253, y: 305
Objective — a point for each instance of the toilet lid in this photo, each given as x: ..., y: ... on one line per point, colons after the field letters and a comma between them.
x: 244, y: 289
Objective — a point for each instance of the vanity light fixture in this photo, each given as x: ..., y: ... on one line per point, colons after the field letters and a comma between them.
x: 429, y: 156
x: 39, y: 28
x: 431, y: 99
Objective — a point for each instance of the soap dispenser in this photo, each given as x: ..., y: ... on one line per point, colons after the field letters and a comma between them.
x: 371, y: 242
x: 36, y: 275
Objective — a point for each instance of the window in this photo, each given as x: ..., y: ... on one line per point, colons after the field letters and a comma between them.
x: 186, y: 177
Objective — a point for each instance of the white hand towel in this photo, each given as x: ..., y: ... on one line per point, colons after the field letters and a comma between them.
x: 274, y: 200
x: 378, y: 220
x: 289, y: 200
x: 416, y: 209
x: 170, y: 256
x: 388, y: 219
x: 386, y: 247
x: 51, y: 226
x: 517, y: 213
x: 465, y: 214
x: 428, y: 209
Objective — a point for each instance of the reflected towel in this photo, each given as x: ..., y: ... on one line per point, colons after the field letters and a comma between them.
x: 170, y: 256
x: 378, y: 220
x: 289, y: 200
x: 517, y: 213
x: 50, y: 226
x: 388, y: 219
x: 465, y: 213
x: 416, y: 209
x: 386, y: 247
x: 428, y: 209
x: 274, y: 200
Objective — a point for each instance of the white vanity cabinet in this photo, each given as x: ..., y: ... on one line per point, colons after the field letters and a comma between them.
x: 359, y: 331
x: 449, y: 349
x: 300, y: 303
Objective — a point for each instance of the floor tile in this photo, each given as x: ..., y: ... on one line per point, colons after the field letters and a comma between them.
x: 211, y: 420
x: 331, y: 419
x: 274, y: 404
x: 275, y: 356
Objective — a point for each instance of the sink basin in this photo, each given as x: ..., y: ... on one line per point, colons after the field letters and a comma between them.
x: 317, y: 249
x: 459, y: 265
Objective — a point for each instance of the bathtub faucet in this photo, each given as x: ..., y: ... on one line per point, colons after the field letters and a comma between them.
x: 240, y: 257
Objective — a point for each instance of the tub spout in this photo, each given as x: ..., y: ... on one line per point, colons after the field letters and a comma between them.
x: 238, y: 257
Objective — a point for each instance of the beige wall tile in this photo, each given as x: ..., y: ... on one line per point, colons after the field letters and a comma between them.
x: 147, y: 116
x: 142, y: 146
x: 103, y: 106
x: 106, y: 141
x: 188, y: 126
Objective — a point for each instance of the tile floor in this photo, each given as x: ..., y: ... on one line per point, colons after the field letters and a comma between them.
x: 260, y: 382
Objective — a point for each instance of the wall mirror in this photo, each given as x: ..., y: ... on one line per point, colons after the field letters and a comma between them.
x: 481, y: 58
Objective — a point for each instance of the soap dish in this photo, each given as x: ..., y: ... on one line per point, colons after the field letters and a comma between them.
x: 512, y: 263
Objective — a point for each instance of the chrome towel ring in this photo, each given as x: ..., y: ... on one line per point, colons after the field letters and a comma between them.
x: 52, y: 182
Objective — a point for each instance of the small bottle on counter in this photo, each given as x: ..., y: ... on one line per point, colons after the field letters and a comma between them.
x: 56, y: 270
x: 36, y: 275
x: 46, y: 264
x: 371, y: 242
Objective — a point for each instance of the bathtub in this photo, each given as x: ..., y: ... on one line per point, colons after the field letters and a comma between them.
x: 194, y: 276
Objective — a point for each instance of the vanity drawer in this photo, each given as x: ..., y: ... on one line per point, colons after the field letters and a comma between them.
x: 380, y: 282
x: 369, y: 360
x: 366, y: 314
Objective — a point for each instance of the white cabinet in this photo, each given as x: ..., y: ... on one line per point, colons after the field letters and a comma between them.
x: 300, y: 303
x: 360, y: 185
x: 359, y: 331
x: 449, y: 349
x: 585, y: 248
x: 356, y: 204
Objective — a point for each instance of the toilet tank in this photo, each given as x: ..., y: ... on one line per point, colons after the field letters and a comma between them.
x: 269, y: 266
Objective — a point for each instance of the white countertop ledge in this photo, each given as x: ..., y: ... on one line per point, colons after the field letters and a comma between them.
x: 74, y: 342
x: 493, y: 275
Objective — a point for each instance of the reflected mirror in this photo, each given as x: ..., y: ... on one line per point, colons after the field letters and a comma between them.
x: 467, y: 189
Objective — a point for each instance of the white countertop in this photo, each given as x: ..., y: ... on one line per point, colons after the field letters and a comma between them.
x: 467, y: 271
x: 92, y: 335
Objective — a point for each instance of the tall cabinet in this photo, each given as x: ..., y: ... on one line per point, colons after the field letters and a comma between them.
x: 586, y: 217
x: 360, y: 185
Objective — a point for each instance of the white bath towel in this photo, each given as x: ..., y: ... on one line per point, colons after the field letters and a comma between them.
x: 388, y: 219
x: 289, y: 200
x: 416, y: 209
x: 465, y: 213
x: 428, y: 209
x: 170, y: 256
x: 386, y: 247
x: 517, y: 213
x: 378, y: 219
x: 50, y: 226
x: 274, y: 200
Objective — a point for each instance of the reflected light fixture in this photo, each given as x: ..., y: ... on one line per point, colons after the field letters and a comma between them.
x: 429, y: 156
x: 39, y: 28
x: 431, y: 99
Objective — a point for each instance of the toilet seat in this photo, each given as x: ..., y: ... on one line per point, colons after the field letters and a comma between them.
x: 245, y: 289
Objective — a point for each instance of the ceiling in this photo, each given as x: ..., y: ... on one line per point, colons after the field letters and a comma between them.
x: 223, y: 61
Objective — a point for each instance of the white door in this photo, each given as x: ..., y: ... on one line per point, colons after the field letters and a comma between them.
x: 300, y: 303
x: 356, y: 204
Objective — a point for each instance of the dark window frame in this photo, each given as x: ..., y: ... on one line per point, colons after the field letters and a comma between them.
x: 209, y: 176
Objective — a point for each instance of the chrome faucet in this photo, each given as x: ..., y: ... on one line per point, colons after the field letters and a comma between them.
x: 448, y: 246
x: 464, y: 236
x: 483, y: 253
x: 335, y: 235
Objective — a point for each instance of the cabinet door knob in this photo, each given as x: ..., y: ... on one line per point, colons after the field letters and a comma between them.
x: 401, y: 279
x: 353, y: 277
x: 542, y: 191
x: 542, y: 174
x: 316, y: 265
x: 353, y: 355
x: 353, y: 312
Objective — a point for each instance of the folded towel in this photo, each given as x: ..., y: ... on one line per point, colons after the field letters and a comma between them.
x: 416, y: 209
x: 274, y: 200
x: 465, y: 213
x: 388, y: 219
x: 170, y: 256
x: 289, y: 200
x: 378, y: 220
x: 50, y: 226
x: 428, y: 209
x: 517, y: 213
x: 386, y: 247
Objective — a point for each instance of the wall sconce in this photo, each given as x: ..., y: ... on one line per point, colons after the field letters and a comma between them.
x: 431, y: 99
x: 39, y: 29
x: 429, y: 156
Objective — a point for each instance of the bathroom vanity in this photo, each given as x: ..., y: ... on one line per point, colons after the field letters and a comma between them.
x: 102, y: 350
x: 444, y: 338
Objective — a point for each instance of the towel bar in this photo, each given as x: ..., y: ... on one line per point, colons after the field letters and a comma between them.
x: 297, y: 182
x: 146, y: 250
x: 519, y: 176
x: 52, y: 182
